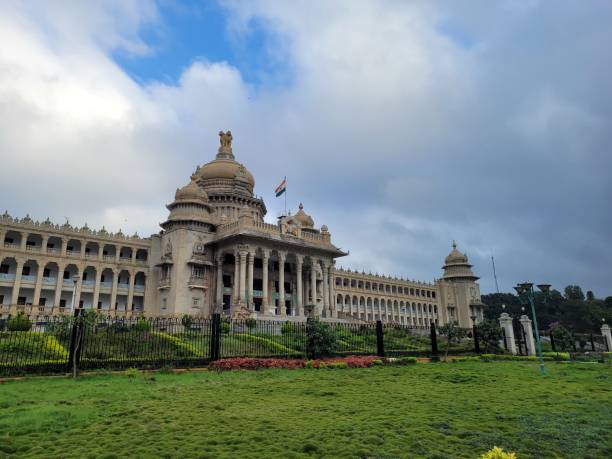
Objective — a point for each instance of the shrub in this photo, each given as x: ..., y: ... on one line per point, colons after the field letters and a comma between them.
x: 377, y: 362
x: 142, y: 325
x: 20, y: 322
x: 254, y: 364
x: 337, y: 365
x: 489, y: 334
x: 131, y: 372
x: 498, y: 453
x: 187, y: 321
x: 250, y: 323
x: 406, y: 360
x: 557, y: 355
x: 289, y: 328
x: 224, y: 326
x: 322, y: 365
x: 320, y: 339
x: 564, y: 340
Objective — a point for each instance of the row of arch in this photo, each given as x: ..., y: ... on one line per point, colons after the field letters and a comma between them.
x: 345, y: 302
x: 90, y: 249
x: 344, y: 282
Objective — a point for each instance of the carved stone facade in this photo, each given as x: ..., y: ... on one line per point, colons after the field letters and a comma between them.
x: 215, y: 253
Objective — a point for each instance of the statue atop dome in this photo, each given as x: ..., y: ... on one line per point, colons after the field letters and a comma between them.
x: 225, y: 149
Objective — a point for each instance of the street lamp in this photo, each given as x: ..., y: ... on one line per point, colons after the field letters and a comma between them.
x: 526, y: 295
x: 75, y: 279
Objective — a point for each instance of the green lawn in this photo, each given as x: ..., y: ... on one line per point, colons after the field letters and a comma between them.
x: 439, y: 410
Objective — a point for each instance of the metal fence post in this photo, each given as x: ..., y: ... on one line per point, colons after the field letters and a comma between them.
x: 73, y: 340
x: 552, y: 341
x: 434, y: 339
x: 380, y: 342
x: 215, y: 337
x: 476, y: 343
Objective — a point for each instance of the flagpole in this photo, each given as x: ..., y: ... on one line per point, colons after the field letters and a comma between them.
x: 285, y: 195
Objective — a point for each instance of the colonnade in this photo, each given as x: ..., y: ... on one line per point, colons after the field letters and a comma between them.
x: 312, y: 276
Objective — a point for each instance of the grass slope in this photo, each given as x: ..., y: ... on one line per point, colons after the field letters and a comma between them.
x: 427, y: 410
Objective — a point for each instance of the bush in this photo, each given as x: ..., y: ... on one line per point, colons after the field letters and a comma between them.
x: 377, y: 363
x: 143, y: 325
x: 489, y: 335
x: 564, y: 340
x: 497, y: 453
x: 557, y: 355
x: 250, y: 323
x: 255, y: 364
x: 224, y: 326
x: 320, y: 339
x: 289, y: 328
x: 187, y: 322
x: 20, y: 322
x: 131, y: 372
x: 337, y: 365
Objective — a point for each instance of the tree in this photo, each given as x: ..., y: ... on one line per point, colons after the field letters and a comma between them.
x: 489, y: 334
x: 590, y: 295
x: 452, y: 332
x: 574, y: 292
x: 20, y: 322
x: 320, y: 339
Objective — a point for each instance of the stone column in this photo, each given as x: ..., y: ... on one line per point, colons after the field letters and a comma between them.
x: 113, y: 300
x: 2, y: 236
x: 265, y: 300
x: 101, y: 252
x: 130, y: 298
x: 282, y: 256
x: 251, y: 303
x: 117, y: 253
x: 77, y: 297
x: 133, y: 255
x: 299, y: 309
x: 219, y: 298
x: 59, y: 285
x: 332, y: 292
x: 605, y: 331
x: 96, y: 293
x: 17, y: 284
x: 24, y: 240
x: 83, y: 246
x: 38, y: 287
x: 64, y: 246
x: 313, y: 286
x: 529, y: 340
x: 243, y: 265
x: 326, y: 307
x: 505, y: 322
x: 45, y: 239
x: 236, y: 285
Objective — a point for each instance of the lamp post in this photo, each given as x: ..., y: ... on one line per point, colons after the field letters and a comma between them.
x: 526, y: 294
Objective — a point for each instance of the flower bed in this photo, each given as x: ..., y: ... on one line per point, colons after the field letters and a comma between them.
x: 330, y: 363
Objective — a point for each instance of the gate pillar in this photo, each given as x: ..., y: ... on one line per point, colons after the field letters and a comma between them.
x: 529, y: 341
x: 605, y: 331
x: 505, y: 322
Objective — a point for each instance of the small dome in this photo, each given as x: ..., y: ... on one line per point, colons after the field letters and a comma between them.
x: 191, y: 192
x: 455, y: 256
x: 303, y: 218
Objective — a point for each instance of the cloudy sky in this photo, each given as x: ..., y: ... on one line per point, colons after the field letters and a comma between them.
x: 401, y: 125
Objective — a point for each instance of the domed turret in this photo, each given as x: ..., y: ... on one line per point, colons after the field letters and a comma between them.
x: 456, y: 266
x: 304, y: 220
x: 190, y: 208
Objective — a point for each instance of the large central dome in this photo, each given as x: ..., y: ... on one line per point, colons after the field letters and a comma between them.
x: 225, y: 174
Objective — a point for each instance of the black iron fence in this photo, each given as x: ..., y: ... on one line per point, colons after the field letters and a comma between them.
x: 88, y: 341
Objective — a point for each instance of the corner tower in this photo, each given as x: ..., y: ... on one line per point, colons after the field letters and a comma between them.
x: 459, y: 291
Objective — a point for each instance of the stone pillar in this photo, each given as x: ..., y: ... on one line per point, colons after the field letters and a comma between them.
x: 117, y: 253
x: 96, y: 293
x: 250, y: 302
x: 605, y: 331
x: 45, y: 239
x: 236, y: 292
x: 219, y: 297
x: 59, y: 285
x: 113, y: 300
x: 299, y: 307
x: 2, y: 236
x: 133, y: 255
x: 332, y: 292
x: 313, y: 287
x: 17, y: 284
x: 101, y: 252
x: 24, y: 240
x: 77, y: 297
x: 282, y: 256
x: 326, y: 307
x: 64, y: 246
x: 265, y: 300
x: 529, y: 340
x: 242, y: 293
x: 130, y: 298
x: 83, y: 246
x: 505, y: 322
x: 38, y: 287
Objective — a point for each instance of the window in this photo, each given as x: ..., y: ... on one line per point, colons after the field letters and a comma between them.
x: 81, y: 304
x: 9, y: 240
x: 1, y: 299
x: 84, y: 276
x: 196, y: 302
x: 26, y: 271
x: 164, y: 303
x: 99, y: 305
x: 46, y: 272
x: 42, y: 301
x: 197, y: 272
x: 102, y: 278
x: 70, y: 248
x: 21, y: 300
x: 50, y: 245
x: 30, y: 243
x: 62, y: 303
x: 4, y: 269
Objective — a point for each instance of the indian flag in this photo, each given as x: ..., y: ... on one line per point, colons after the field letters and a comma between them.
x: 281, y: 188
